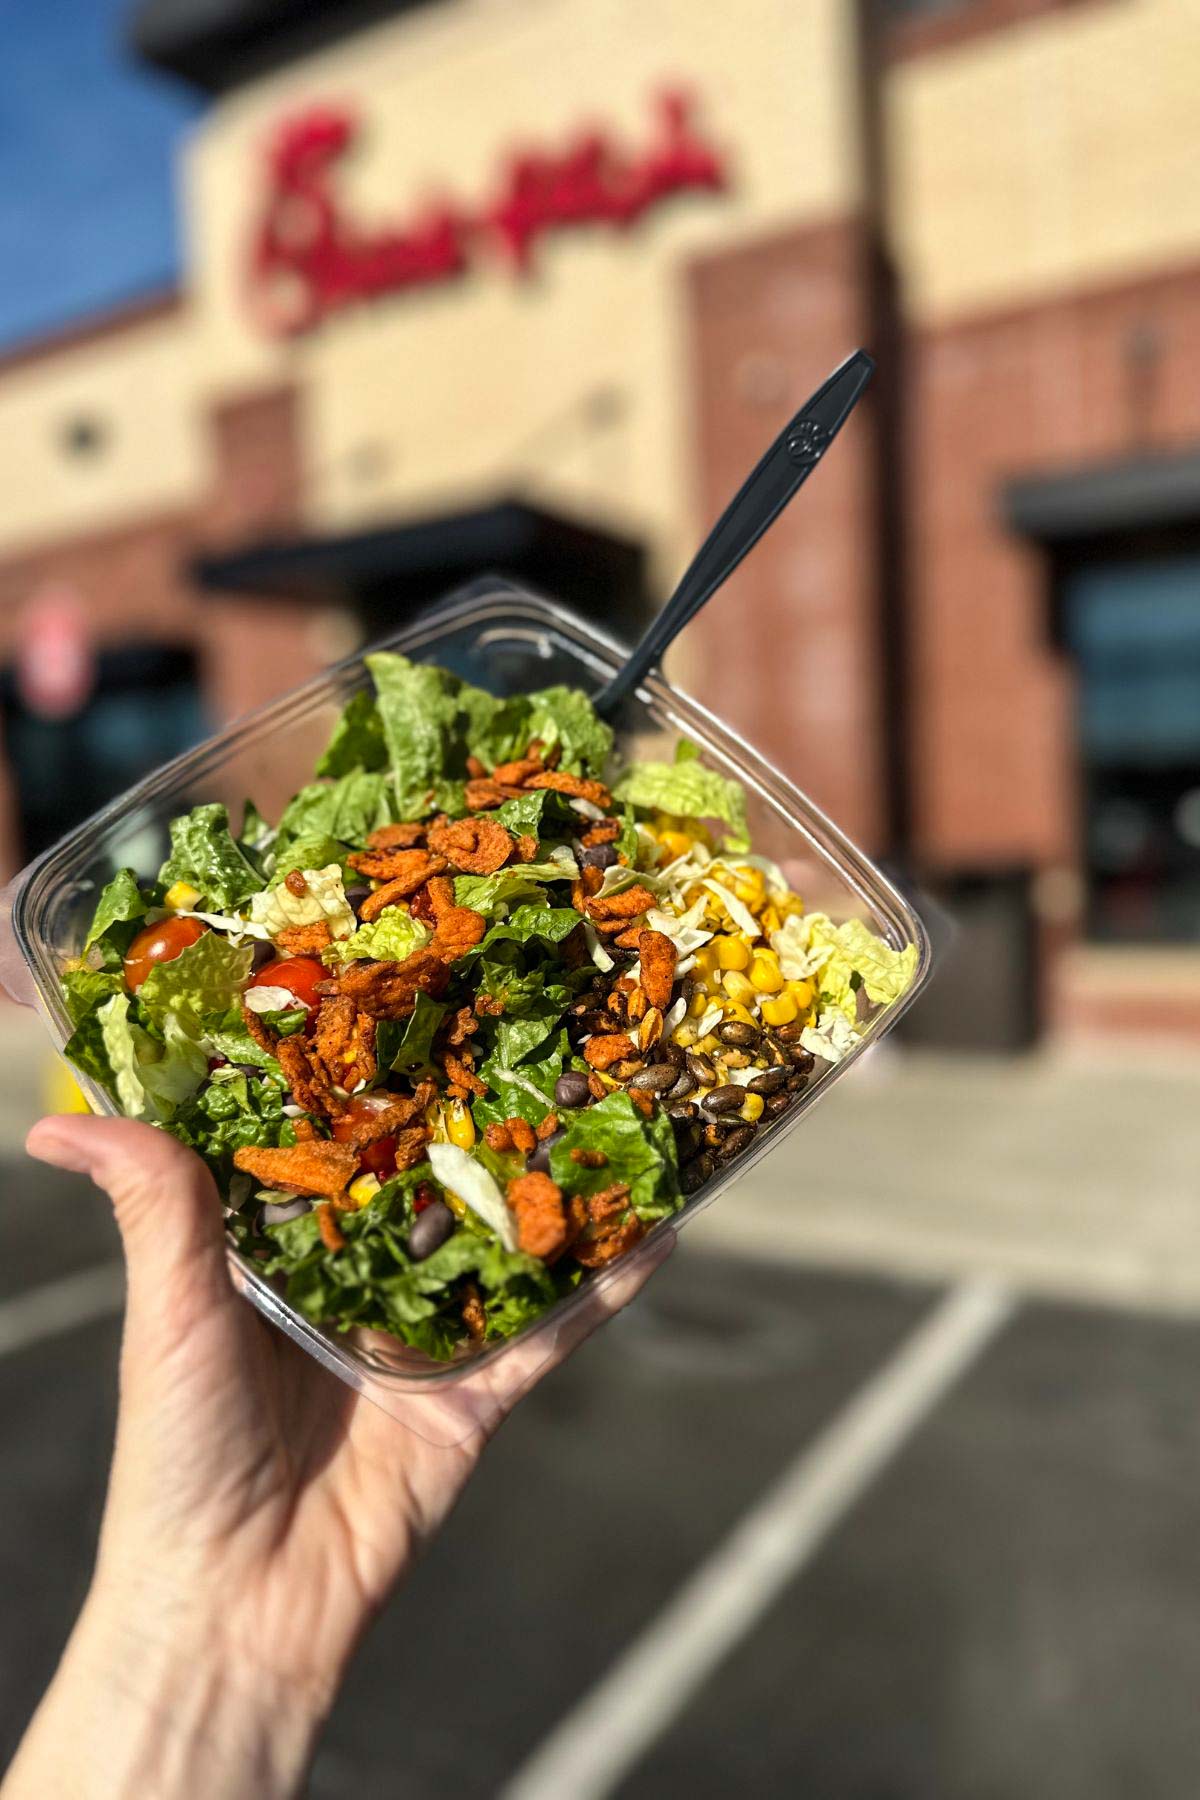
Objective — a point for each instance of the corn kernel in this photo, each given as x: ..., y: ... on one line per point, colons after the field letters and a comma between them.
x: 751, y: 888
x: 764, y: 972
x: 738, y: 989
x: 709, y: 1044
x: 674, y: 843
x: 780, y: 1009
x: 752, y: 1108
x: 363, y: 1188
x: 734, y: 1009
x: 803, y: 993
x: 181, y: 897
x: 733, y: 952
x: 699, y: 1004
x: 457, y: 1207
x: 771, y: 921
x: 460, y: 1126
x: 684, y: 1036
x: 706, y: 960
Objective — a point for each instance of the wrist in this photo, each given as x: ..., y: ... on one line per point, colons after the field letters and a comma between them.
x: 166, y: 1707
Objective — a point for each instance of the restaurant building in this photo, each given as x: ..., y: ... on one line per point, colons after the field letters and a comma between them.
x: 529, y: 284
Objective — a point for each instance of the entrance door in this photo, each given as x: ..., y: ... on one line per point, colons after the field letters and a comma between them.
x: 144, y: 709
x: 1134, y: 630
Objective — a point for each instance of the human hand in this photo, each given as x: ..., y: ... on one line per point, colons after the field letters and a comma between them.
x: 258, y: 1513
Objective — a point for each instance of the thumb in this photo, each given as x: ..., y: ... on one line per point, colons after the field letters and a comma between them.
x: 164, y: 1200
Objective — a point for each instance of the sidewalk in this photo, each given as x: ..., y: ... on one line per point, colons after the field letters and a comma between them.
x: 1069, y: 1175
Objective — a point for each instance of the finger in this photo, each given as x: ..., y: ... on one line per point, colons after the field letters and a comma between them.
x: 164, y: 1201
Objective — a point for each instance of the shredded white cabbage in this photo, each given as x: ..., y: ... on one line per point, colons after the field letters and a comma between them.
x: 587, y: 810
x: 229, y: 922
x: 741, y: 915
x: 599, y: 955
x: 457, y: 1170
x: 791, y: 945
x: 832, y: 1036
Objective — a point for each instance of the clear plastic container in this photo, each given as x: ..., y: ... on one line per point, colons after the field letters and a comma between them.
x: 507, y: 640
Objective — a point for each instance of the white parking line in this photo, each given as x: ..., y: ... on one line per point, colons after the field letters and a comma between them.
x: 60, y: 1306
x: 600, y: 1740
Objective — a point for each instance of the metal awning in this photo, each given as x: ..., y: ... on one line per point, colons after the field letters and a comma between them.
x: 1140, y: 494
x: 409, y: 563
x: 217, y: 43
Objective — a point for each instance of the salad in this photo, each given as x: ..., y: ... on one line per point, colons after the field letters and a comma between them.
x: 474, y: 1014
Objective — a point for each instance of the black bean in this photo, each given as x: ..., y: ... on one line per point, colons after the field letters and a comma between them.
x: 696, y: 1173
x: 724, y: 1099
x: 540, y: 1157
x: 357, y: 894
x: 273, y: 1214
x: 571, y: 1089
x: 742, y: 1035
x: 599, y: 856
x: 789, y: 1034
x: 685, y: 1085
x: 702, y: 1067
x: 247, y: 1069
x: 769, y: 1082
x: 263, y: 953
x: 778, y: 1103
x: 655, y: 1079
x: 736, y: 1142
x: 429, y: 1230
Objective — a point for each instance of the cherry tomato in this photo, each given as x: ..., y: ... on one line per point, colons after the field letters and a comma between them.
x: 158, y: 944
x: 379, y: 1157
x: 298, y: 974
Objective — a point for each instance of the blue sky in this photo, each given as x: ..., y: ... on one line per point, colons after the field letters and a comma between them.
x: 87, y: 207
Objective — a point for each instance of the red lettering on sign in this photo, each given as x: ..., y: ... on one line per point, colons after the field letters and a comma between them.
x: 309, y: 259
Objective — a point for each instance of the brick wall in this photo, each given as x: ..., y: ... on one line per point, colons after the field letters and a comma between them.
x: 788, y: 651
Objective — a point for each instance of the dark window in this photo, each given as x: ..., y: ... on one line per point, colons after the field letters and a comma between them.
x: 1134, y: 630
x: 145, y: 708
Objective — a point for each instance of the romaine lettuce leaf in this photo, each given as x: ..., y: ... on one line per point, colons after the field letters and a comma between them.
x: 406, y: 1045
x: 231, y: 1115
x: 150, y: 1079
x: 392, y: 937
x: 539, y: 812
x: 418, y: 708
x: 205, y: 856
x: 87, y: 989
x: 562, y: 715
x: 120, y: 903
x: 200, y: 985
x: 526, y: 1093
x: 357, y: 741
x: 838, y: 957
x: 528, y: 925
x: 232, y: 1041
x: 483, y: 893
x: 687, y: 790
x: 347, y: 810
x: 311, y: 853
x: 640, y: 1151
x: 496, y: 731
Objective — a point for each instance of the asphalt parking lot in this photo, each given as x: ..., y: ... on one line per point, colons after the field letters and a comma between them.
x: 1007, y: 1606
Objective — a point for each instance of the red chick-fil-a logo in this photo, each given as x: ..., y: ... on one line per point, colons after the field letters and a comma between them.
x: 309, y: 259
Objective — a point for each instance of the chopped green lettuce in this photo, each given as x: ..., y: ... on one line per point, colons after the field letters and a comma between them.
x: 311, y: 853
x: 640, y: 1151
x: 87, y: 989
x: 687, y: 790
x: 199, y: 986
x: 562, y: 715
x: 539, y: 812
x: 406, y: 1045
x: 347, y: 811
x: 847, y: 954
x: 120, y: 903
x: 392, y: 937
x: 418, y: 708
x: 483, y: 893
x: 150, y: 1078
x: 357, y: 741
x: 528, y: 925
x: 205, y: 856
x: 232, y: 1115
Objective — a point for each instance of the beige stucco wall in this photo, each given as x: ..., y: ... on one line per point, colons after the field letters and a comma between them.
x: 485, y: 385
x: 1058, y: 154
x: 144, y: 391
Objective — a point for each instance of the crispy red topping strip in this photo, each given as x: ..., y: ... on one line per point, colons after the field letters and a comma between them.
x: 322, y: 1167
x: 658, y: 957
